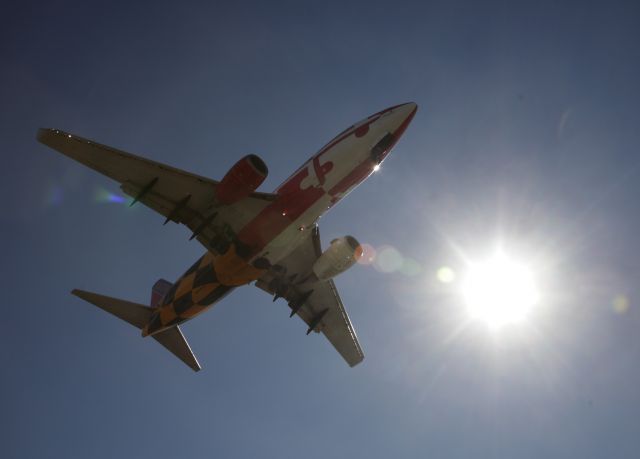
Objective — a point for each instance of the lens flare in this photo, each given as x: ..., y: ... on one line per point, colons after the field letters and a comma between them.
x: 410, y: 267
x: 445, y: 275
x: 388, y: 260
x: 620, y: 304
x: 54, y: 196
x: 103, y: 196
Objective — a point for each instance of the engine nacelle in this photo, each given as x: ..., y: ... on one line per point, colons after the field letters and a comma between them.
x: 341, y: 255
x: 242, y: 179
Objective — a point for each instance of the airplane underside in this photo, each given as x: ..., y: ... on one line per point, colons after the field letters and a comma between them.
x: 270, y: 238
x: 207, y: 281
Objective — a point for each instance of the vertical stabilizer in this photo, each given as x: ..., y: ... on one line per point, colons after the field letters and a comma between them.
x: 159, y: 291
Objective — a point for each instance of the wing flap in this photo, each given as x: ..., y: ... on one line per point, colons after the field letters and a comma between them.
x: 177, y: 211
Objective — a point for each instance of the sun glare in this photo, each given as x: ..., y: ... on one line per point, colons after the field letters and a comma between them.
x: 499, y: 291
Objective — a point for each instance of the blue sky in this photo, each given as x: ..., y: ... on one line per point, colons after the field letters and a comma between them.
x: 527, y: 133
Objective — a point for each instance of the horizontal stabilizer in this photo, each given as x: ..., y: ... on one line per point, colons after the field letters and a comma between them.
x: 134, y: 313
x: 138, y: 316
x: 173, y: 340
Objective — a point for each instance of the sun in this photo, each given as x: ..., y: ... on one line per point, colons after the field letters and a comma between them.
x: 499, y: 291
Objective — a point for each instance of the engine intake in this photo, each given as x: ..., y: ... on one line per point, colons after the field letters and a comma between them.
x: 242, y: 179
x: 341, y: 255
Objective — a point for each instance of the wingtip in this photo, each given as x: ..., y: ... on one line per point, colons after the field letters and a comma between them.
x: 196, y: 364
x: 48, y: 136
x: 82, y: 294
x: 196, y: 367
x: 41, y: 134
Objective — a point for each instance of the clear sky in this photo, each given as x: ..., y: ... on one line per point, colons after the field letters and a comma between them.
x: 527, y: 133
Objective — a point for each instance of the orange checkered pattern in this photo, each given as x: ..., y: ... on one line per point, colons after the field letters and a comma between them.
x: 197, y: 289
x: 206, y: 282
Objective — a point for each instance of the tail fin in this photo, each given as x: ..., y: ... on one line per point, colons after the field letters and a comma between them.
x: 138, y: 316
x: 159, y: 291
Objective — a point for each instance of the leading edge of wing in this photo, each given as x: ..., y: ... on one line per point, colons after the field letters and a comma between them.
x: 92, y: 154
x: 104, y: 159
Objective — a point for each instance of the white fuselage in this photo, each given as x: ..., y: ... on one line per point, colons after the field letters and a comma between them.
x: 347, y: 161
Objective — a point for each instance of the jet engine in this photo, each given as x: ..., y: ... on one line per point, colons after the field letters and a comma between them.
x: 340, y: 256
x: 242, y: 179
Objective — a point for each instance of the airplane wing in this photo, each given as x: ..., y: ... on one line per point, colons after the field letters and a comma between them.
x: 322, y: 310
x: 179, y: 196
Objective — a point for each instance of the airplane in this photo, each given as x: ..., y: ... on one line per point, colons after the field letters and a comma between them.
x: 271, y: 239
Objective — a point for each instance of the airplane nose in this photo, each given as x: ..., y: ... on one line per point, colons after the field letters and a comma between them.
x: 409, y: 107
x: 401, y: 116
x: 406, y: 112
